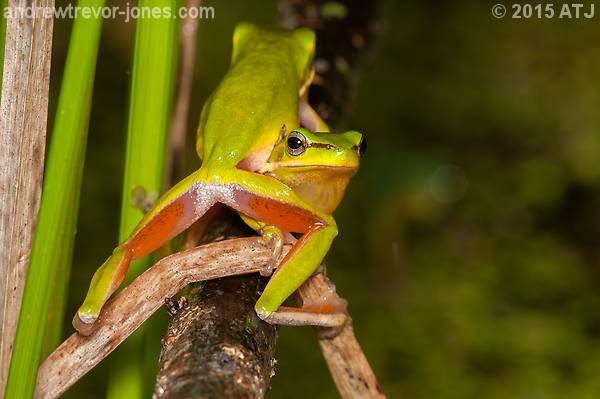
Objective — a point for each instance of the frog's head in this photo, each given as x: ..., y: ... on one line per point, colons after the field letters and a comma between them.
x: 301, y: 148
x: 317, y: 165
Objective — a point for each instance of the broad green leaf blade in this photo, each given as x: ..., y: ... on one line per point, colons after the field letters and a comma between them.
x: 55, y: 229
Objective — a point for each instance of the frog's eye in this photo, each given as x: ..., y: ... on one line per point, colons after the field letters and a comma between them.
x: 362, y: 147
x: 296, y: 143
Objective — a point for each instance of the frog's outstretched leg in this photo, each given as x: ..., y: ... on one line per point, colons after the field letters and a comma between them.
x: 275, y: 204
x: 178, y: 209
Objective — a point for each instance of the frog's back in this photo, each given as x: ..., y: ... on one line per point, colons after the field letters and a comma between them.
x: 242, y: 119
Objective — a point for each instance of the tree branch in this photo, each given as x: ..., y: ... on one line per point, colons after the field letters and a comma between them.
x: 345, y: 30
x: 218, y: 354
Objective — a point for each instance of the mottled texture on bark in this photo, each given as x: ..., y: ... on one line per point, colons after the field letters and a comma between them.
x: 23, y: 117
x: 217, y: 345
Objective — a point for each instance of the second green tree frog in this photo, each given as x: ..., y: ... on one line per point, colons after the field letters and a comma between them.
x: 280, y: 177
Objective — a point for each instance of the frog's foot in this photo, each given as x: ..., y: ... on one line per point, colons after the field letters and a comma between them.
x: 272, y: 236
x: 326, y: 315
x: 85, y: 326
x: 105, y: 281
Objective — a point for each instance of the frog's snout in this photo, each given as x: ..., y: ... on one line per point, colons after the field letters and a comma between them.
x: 362, y: 147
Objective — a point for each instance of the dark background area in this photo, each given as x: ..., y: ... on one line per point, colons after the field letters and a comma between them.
x: 468, y: 239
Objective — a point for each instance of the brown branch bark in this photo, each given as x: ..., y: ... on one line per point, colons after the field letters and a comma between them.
x: 123, y: 314
x: 225, y: 353
x: 23, y: 117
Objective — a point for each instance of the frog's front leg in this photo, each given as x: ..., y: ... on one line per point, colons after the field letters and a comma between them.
x: 174, y: 212
x: 270, y: 201
x: 300, y: 263
x: 272, y: 236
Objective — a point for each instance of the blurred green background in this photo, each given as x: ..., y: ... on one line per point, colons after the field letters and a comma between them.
x: 468, y: 240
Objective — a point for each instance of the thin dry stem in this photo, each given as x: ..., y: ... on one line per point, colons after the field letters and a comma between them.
x: 347, y: 363
x: 122, y: 315
x: 178, y: 131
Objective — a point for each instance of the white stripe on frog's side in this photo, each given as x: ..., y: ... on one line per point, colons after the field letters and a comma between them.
x: 200, y: 198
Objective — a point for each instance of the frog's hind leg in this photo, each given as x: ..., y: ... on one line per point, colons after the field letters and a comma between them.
x: 306, y: 255
x: 278, y: 205
x: 174, y: 212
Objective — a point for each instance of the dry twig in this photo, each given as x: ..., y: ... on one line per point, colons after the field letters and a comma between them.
x: 123, y: 314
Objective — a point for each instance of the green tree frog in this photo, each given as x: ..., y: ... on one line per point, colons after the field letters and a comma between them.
x: 256, y: 159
